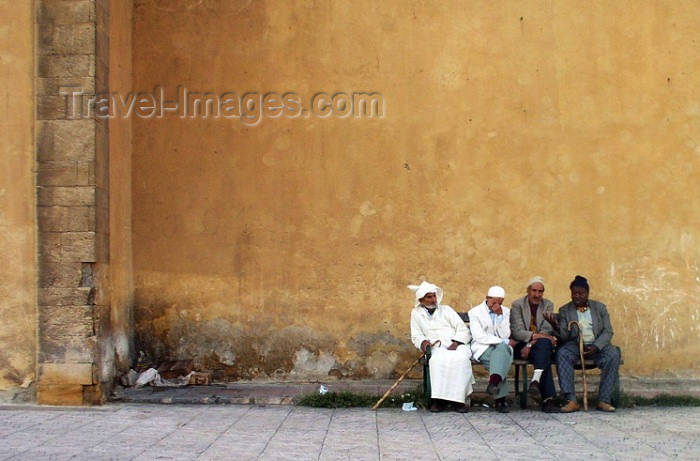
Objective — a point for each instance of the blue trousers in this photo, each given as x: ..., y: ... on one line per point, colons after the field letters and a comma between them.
x: 541, y: 357
x: 607, y: 359
x: 497, y: 359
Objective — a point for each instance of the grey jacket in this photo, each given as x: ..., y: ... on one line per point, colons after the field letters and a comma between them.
x: 520, y: 319
x: 602, y: 329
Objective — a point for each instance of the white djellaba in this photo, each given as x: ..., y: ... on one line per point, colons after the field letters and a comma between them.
x: 450, y: 371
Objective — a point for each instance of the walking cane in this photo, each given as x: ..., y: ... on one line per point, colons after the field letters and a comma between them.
x: 583, y: 363
x: 386, y: 394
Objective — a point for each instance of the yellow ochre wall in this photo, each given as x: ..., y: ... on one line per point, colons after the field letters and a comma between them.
x: 18, y: 267
x: 517, y: 139
x: 120, y: 252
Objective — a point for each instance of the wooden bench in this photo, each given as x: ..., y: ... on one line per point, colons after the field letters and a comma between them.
x: 521, y: 385
x: 521, y: 369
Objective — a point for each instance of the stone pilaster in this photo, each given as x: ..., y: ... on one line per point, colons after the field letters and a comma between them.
x: 70, y: 172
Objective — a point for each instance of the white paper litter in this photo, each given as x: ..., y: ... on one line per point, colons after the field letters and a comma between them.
x: 152, y: 377
x: 146, y: 377
x: 408, y: 406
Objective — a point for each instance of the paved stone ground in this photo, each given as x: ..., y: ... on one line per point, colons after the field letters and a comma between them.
x: 283, y: 432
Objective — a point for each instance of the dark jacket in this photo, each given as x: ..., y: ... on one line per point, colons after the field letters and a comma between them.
x: 602, y: 329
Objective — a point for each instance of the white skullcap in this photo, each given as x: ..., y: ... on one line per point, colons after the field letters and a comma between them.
x: 423, y: 289
x: 535, y: 279
x: 496, y: 292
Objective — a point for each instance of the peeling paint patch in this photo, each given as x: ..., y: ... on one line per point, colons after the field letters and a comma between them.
x: 381, y: 365
x: 367, y: 209
x: 308, y: 364
x: 259, y: 350
x: 121, y: 347
x: 233, y: 351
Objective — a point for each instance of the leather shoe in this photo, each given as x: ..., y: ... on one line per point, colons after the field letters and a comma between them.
x: 570, y: 407
x: 550, y: 407
x: 534, y: 389
x: 460, y: 407
x: 501, y: 407
x: 492, y: 389
x: 605, y: 406
x: 436, y: 407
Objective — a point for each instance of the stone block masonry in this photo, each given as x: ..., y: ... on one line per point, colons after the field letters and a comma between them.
x: 72, y: 224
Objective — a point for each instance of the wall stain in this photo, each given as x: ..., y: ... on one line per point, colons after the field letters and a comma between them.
x: 258, y: 351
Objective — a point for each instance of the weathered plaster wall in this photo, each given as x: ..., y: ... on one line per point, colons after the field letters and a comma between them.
x: 549, y: 138
x: 121, y: 283
x: 18, y: 270
x: 114, y: 322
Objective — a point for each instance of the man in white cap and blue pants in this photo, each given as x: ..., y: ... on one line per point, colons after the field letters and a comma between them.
x: 489, y: 323
x: 440, y: 327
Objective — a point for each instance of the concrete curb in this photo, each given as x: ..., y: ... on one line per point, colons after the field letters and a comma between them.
x: 267, y: 393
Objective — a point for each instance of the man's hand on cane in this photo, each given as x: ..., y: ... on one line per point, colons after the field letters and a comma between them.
x: 424, y: 345
x: 590, y: 351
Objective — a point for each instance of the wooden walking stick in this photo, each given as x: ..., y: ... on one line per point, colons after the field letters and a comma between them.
x: 583, y: 363
x: 386, y: 394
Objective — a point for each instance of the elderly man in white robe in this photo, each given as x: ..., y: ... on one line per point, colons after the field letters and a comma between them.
x: 440, y: 327
x: 489, y: 323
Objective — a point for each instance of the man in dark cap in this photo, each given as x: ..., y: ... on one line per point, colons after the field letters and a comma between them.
x: 596, y: 330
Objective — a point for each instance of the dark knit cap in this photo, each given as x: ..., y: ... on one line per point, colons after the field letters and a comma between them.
x: 580, y: 282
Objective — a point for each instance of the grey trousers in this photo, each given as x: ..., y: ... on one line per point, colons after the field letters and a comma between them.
x: 607, y: 359
x: 498, y: 359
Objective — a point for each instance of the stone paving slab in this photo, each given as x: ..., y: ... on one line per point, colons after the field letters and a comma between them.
x: 283, y: 432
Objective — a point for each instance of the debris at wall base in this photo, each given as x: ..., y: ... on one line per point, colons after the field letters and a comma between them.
x: 129, y: 379
x: 200, y: 378
x: 174, y: 368
x: 180, y: 381
x: 146, y: 377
